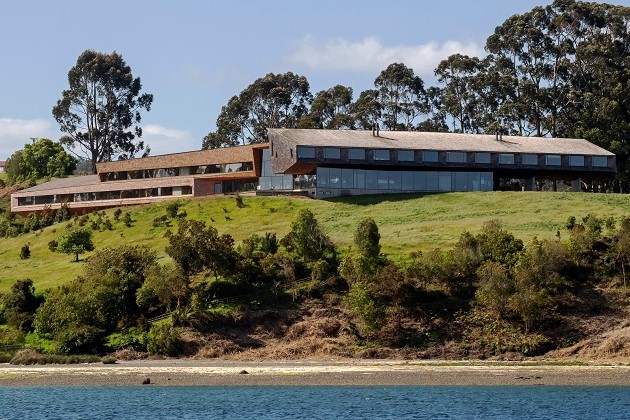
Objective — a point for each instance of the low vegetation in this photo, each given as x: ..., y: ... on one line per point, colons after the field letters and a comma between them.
x: 295, y: 293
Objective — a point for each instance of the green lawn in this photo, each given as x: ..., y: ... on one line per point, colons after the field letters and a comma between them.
x: 406, y: 223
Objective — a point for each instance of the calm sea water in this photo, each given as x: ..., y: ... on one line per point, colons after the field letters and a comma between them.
x: 417, y: 402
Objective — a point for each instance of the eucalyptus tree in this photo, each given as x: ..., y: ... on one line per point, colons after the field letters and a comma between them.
x: 401, y: 96
x: 272, y: 101
x: 100, y: 111
x: 330, y: 110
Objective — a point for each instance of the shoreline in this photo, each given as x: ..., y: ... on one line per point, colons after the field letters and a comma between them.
x: 314, y: 373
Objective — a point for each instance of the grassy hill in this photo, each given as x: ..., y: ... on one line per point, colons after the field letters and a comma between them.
x: 406, y: 223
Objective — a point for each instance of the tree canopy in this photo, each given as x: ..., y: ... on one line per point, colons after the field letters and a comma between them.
x: 100, y: 111
x: 42, y: 158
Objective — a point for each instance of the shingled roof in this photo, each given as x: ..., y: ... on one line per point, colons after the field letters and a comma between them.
x: 438, y: 141
x: 218, y: 156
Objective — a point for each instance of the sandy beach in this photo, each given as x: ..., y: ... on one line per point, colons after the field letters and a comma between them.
x: 316, y: 373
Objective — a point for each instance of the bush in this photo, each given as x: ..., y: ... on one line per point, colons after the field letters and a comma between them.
x: 163, y: 339
x: 25, y: 252
x: 52, y: 245
x: 117, y: 214
x: 109, y: 360
x: 172, y: 208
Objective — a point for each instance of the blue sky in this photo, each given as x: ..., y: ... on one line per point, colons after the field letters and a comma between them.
x: 194, y: 55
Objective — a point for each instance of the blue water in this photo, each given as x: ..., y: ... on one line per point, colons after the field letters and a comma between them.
x: 415, y: 402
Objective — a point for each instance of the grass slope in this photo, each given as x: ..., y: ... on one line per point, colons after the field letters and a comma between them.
x: 406, y: 223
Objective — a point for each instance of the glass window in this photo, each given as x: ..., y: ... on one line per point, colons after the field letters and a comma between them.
x: 529, y: 159
x: 432, y: 181
x: 394, y: 180
x: 356, y: 154
x: 474, y: 181
x: 405, y: 156
x: 506, y: 159
x: 371, y: 180
x: 460, y: 181
x: 306, y: 152
x: 456, y: 157
x: 334, y: 178
x: 482, y: 157
x: 322, y: 177
x: 381, y: 154
x: 430, y: 156
x: 576, y: 160
x: 383, y: 180
x: 406, y: 181
x: 553, y: 160
x: 487, y: 181
x: 445, y: 181
x: 600, y: 161
x: 332, y: 153
x: 347, y: 178
x: 359, y: 178
x: 420, y: 181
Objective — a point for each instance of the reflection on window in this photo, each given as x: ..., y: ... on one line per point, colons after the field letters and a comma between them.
x: 506, y: 159
x: 529, y: 159
x: 553, y: 160
x: 600, y: 161
x: 456, y: 157
x: 406, y: 156
x: 481, y: 157
x: 430, y: 156
x: 356, y: 154
x: 576, y: 160
x: 381, y: 154
x: 304, y: 152
x: 332, y: 153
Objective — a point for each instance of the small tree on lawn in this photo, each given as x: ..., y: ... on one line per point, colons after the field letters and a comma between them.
x: 76, y: 241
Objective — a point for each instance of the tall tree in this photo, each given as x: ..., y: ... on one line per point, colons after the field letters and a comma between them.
x: 401, y: 95
x: 100, y: 111
x: 273, y: 101
x: 367, y: 109
x: 330, y: 110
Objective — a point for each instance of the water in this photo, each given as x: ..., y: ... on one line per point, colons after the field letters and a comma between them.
x: 415, y: 402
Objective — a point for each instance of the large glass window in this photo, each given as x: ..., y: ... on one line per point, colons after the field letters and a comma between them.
x: 332, y: 153
x: 506, y: 159
x: 482, y: 157
x: 406, y: 156
x: 420, y: 181
x: 394, y: 180
x: 356, y: 154
x: 347, y: 180
x: 383, y: 180
x: 456, y: 157
x: 430, y: 156
x: 322, y: 177
x: 371, y: 180
x: 305, y: 152
x: 445, y: 181
x: 359, y: 178
x: 460, y: 181
x: 528, y: 159
x: 406, y: 181
x: 600, y: 161
x: 553, y: 160
x: 381, y: 154
x: 433, y: 183
x: 576, y: 160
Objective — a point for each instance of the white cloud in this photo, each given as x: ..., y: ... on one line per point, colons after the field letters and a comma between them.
x: 164, y: 140
x: 15, y: 133
x: 370, y: 54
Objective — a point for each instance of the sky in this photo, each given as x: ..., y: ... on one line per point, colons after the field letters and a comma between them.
x: 194, y: 55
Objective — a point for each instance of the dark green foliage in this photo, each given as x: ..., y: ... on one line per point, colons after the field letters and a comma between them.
x: 43, y: 158
x: 19, y: 305
x: 76, y: 240
x: 52, y: 245
x: 127, y: 219
x: 117, y: 214
x: 367, y: 239
x: 25, y: 252
x: 306, y: 238
x: 164, y: 340
x: 100, y: 109
x: 161, y: 221
x: 172, y: 208
x: 196, y: 247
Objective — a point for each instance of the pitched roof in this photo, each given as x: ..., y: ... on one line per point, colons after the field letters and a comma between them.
x: 3, y: 162
x: 438, y: 141
x: 70, y: 182
x: 218, y: 156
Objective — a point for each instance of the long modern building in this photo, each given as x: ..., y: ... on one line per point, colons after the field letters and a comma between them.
x: 328, y: 163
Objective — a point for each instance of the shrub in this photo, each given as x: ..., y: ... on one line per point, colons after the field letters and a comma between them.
x: 117, y: 214
x: 52, y: 245
x: 25, y: 252
x: 163, y: 339
x: 127, y: 219
x: 109, y: 360
x: 172, y: 208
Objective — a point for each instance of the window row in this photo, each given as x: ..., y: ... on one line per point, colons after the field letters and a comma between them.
x: 338, y: 178
x: 184, y: 171
x: 104, y: 195
x: 356, y: 154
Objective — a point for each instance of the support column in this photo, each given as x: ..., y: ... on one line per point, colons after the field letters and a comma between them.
x: 576, y: 185
x: 530, y: 184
